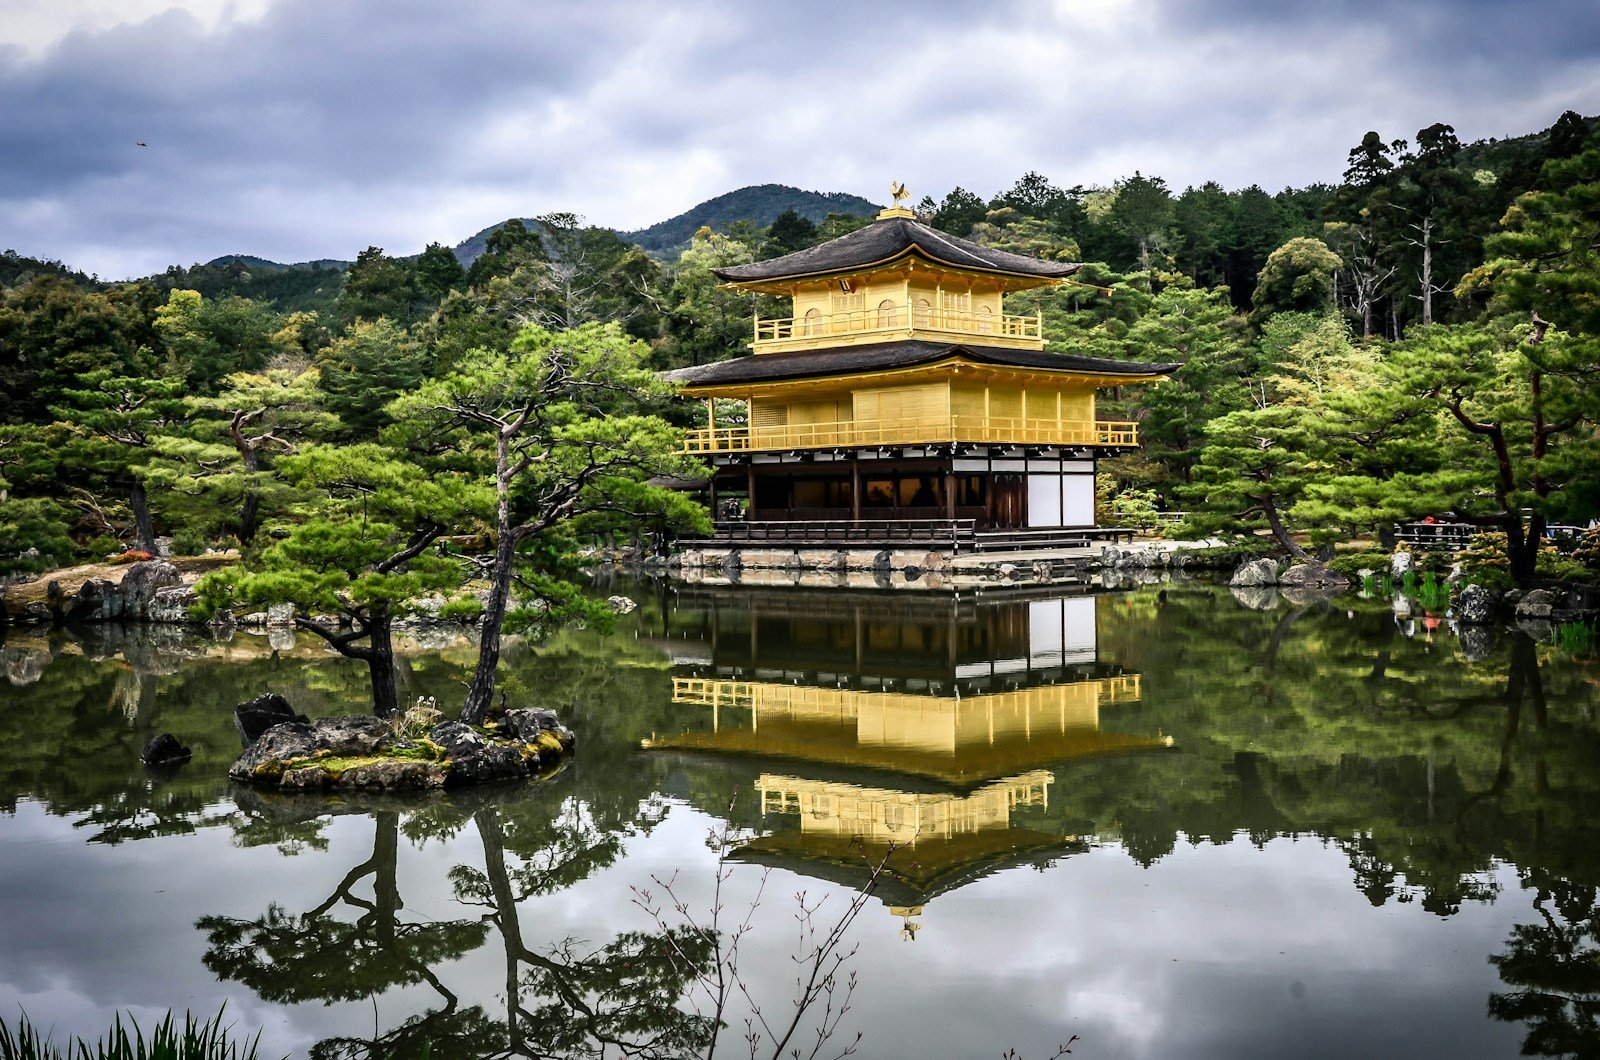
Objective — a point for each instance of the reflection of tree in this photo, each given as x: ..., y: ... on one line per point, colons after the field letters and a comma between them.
x: 571, y: 1000
x: 1424, y: 769
x: 316, y: 955
x: 576, y: 1000
x: 1554, y: 967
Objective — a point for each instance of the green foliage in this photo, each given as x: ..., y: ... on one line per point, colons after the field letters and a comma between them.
x: 187, y: 541
x: 35, y: 535
x: 1576, y: 638
x: 376, y: 286
x: 438, y: 272
x: 957, y: 212
x: 217, y: 468
x: 54, y: 331
x: 90, y: 372
x: 363, y: 370
x: 1132, y: 508
x: 1587, y: 551
x: 1200, y: 331
x: 194, y: 1039
x: 311, y: 288
x: 1350, y: 564
x: 1297, y: 278
x: 788, y: 233
x: 1141, y: 212
x: 209, y: 340
x: 370, y: 503
x: 17, y: 269
x: 704, y: 322
x: 509, y: 248
x: 558, y: 428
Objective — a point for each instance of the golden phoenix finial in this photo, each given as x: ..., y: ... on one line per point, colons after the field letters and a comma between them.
x: 897, y: 188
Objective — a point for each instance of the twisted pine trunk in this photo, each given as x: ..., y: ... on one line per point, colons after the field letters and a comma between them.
x: 480, y: 693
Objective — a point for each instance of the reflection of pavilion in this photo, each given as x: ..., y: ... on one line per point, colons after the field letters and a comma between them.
x: 928, y: 725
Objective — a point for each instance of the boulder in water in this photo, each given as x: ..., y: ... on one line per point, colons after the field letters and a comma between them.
x: 1536, y: 604
x: 1475, y: 606
x: 1256, y: 573
x: 140, y: 583
x: 1314, y: 576
x: 262, y: 713
x: 165, y: 750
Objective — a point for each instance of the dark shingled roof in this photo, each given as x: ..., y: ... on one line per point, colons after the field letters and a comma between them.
x: 847, y: 360
x: 885, y: 240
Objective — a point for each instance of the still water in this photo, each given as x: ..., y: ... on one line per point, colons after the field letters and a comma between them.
x: 1158, y: 819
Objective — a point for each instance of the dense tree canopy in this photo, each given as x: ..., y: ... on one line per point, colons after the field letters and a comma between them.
x: 1419, y: 338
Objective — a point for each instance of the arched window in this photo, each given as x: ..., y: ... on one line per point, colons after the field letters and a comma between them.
x: 922, y: 314
x: 813, y: 322
x: 888, y: 314
x: 985, y: 320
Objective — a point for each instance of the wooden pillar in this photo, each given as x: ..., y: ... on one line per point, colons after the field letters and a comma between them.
x: 950, y: 490
x: 855, y: 490
x: 711, y: 499
x: 750, y: 489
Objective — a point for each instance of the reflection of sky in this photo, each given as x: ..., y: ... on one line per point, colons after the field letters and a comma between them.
x: 1214, y: 951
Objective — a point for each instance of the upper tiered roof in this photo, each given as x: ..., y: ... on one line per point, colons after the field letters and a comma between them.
x: 896, y: 234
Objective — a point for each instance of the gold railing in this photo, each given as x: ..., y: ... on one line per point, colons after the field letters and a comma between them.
x: 913, y: 431
x: 898, y: 318
x: 842, y: 703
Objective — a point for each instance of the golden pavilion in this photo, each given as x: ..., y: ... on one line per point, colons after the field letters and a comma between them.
x: 900, y: 399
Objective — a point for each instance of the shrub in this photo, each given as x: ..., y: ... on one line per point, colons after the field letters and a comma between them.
x: 1558, y: 568
x: 188, y: 542
x: 1430, y: 593
x: 1350, y: 563
x: 34, y: 535
x: 1587, y: 551
x: 132, y: 555
x: 1132, y: 508
x: 1576, y: 638
x: 103, y: 546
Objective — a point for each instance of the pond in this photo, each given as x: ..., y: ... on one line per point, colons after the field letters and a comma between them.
x: 1166, y: 820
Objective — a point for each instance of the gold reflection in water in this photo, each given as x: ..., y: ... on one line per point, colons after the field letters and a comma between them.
x: 961, y: 740
x: 880, y: 816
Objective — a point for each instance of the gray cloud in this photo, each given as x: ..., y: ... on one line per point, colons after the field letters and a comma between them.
x: 312, y: 128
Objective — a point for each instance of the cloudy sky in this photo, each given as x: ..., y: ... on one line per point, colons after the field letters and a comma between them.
x: 299, y: 129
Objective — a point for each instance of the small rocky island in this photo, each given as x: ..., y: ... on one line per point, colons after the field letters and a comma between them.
x: 411, y: 752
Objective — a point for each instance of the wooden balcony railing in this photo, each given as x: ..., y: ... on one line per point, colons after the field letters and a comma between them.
x: 1013, y: 430
x: 898, y: 318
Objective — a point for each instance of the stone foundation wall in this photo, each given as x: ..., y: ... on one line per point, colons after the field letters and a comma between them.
x: 916, y: 569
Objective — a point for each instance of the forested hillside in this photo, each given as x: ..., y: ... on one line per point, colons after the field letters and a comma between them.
x: 760, y: 204
x: 1420, y: 336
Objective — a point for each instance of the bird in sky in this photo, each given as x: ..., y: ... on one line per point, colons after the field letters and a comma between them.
x: 140, y: 143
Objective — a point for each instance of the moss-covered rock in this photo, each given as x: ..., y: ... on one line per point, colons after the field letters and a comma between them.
x: 373, y: 754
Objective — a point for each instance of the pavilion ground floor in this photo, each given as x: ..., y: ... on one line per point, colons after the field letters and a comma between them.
x: 980, y: 491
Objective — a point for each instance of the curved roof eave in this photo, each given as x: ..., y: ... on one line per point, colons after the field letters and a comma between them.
x: 888, y: 240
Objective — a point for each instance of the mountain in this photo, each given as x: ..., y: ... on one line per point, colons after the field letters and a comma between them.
x: 17, y: 269
x: 250, y: 261
x: 760, y: 203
